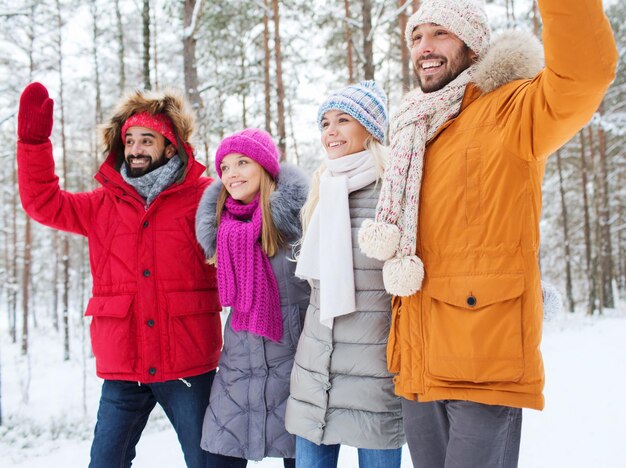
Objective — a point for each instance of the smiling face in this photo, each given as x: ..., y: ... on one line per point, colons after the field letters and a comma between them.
x: 438, y: 56
x: 342, y: 134
x: 145, y: 150
x: 241, y: 177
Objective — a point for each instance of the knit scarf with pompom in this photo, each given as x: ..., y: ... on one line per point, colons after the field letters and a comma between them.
x: 245, y: 277
x: 391, y: 236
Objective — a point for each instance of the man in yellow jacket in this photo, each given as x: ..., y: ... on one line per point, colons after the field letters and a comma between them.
x: 457, y: 221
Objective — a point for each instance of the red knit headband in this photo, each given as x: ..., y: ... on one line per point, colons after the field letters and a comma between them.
x: 160, y: 123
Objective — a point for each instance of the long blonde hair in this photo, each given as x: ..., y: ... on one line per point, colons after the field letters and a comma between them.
x: 271, y: 239
x: 379, y: 152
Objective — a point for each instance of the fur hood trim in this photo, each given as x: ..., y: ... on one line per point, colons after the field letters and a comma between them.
x: 292, y: 188
x: 513, y: 55
x: 169, y: 102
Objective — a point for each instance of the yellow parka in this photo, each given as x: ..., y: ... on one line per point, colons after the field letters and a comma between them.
x: 473, y: 332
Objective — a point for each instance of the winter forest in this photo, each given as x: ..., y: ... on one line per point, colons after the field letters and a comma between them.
x: 241, y: 63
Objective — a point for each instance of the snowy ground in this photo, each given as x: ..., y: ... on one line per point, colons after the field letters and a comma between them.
x: 581, y: 427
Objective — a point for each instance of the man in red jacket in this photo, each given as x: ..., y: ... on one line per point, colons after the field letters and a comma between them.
x: 155, y: 329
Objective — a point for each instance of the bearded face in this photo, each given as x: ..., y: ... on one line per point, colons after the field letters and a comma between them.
x: 145, y: 150
x: 438, y: 56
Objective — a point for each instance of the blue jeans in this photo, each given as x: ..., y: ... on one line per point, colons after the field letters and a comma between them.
x: 310, y: 455
x: 124, y: 410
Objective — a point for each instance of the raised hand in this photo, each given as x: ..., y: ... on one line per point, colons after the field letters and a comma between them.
x: 34, y: 119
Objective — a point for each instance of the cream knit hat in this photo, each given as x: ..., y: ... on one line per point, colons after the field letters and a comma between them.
x: 465, y: 18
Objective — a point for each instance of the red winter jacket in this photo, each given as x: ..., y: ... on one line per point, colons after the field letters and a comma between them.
x: 155, y: 303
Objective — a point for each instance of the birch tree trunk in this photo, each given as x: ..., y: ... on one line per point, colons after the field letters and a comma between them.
x: 267, y: 57
x: 566, y: 244
x: 405, y: 56
x: 96, y: 62
x: 293, y: 134
x: 55, y: 280
x: 120, y: 47
x: 98, y: 118
x: 347, y: 31
x: 27, y: 226
x: 155, y: 46
x: 416, y: 6
x: 606, y: 252
x: 621, y: 242
x: 595, y: 260
x: 11, y: 264
x: 368, y: 40
x: 65, y: 242
x: 191, y: 12
x: 243, y: 75
x: 280, y: 89
x: 26, y: 286
x: 590, y: 276
x: 146, y: 44
x: 536, y: 20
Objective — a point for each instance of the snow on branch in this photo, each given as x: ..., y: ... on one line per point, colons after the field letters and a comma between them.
x: 190, y: 30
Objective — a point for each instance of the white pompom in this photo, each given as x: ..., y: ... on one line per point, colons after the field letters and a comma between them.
x: 379, y: 240
x: 403, y: 276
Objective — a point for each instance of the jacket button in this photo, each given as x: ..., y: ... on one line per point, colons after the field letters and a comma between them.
x: 152, y: 371
x: 146, y: 224
x: 150, y: 323
x: 471, y: 301
x: 146, y: 273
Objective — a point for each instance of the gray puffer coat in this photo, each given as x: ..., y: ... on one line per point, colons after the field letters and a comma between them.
x: 245, y: 416
x: 341, y: 391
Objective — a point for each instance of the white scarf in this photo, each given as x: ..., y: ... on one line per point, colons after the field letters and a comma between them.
x: 326, y: 253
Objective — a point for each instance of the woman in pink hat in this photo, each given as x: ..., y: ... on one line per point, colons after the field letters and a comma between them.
x: 246, y: 225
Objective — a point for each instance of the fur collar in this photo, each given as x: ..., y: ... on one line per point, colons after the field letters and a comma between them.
x: 169, y: 102
x: 513, y: 55
x: 292, y: 188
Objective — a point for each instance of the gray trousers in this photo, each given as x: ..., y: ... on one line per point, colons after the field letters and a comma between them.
x: 462, y: 434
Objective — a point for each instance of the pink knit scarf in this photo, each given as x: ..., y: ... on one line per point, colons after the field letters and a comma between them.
x: 245, y: 278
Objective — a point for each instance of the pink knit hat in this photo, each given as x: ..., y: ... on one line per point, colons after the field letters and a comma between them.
x: 254, y: 143
x: 160, y: 123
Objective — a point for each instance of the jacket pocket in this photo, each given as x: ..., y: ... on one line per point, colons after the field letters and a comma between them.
x: 195, y: 329
x: 475, y: 328
x: 112, y: 333
x: 393, y: 353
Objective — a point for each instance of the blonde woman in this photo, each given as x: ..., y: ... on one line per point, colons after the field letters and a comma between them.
x: 341, y: 391
x: 246, y: 225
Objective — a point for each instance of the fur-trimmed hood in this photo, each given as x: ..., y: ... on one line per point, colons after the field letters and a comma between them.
x: 169, y: 102
x: 292, y: 187
x: 513, y: 55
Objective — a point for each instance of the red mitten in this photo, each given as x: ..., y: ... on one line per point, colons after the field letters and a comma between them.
x: 34, y: 119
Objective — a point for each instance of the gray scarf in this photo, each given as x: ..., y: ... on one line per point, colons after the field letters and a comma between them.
x: 150, y: 185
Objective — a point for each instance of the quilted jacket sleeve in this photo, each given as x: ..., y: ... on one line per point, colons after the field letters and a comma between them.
x: 41, y: 196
